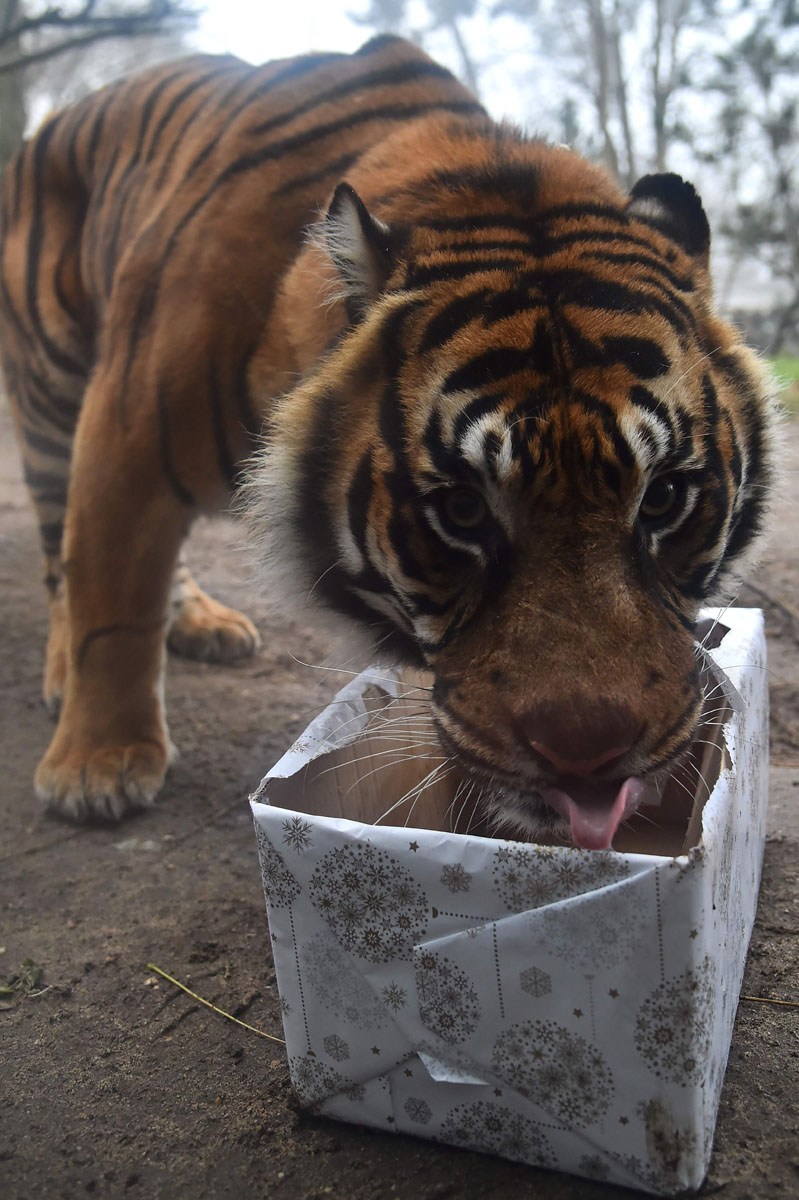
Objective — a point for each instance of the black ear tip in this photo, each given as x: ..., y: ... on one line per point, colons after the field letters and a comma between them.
x: 670, y: 200
x: 344, y: 194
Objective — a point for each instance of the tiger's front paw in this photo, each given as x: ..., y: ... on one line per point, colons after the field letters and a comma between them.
x: 81, y: 782
x: 211, y: 632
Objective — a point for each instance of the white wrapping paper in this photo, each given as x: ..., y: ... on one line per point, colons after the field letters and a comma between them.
x: 570, y: 1009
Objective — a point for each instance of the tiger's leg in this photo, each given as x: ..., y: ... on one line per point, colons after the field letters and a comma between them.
x: 202, y: 628
x: 124, y: 527
x: 44, y: 420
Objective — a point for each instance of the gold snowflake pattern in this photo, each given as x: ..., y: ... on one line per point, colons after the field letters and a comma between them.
x: 336, y: 981
x: 456, y: 878
x: 314, y: 1080
x: 394, y: 996
x: 526, y: 879
x: 496, y: 1129
x: 617, y: 927
x: 558, y: 1069
x: 448, y: 1004
x: 371, y: 903
x: 673, y: 1029
x: 280, y: 886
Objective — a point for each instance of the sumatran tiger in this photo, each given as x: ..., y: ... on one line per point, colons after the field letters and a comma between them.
x: 498, y: 427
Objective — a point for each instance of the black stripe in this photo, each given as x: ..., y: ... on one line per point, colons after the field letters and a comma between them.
x: 382, y: 78
x: 594, y: 404
x: 40, y: 481
x: 124, y: 194
x: 98, y: 117
x: 422, y: 277
x: 450, y: 320
x: 45, y: 445
x: 55, y: 353
x: 337, y: 168
x: 359, y: 499
x: 295, y: 69
x: 183, y: 494
x: 167, y: 158
x: 641, y: 356
x: 227, y: 466
x: 487, y: 369
x: 51, y: 535
x: 177, y: 100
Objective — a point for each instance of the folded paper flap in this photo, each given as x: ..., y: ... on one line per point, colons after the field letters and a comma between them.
x: 341, y: 722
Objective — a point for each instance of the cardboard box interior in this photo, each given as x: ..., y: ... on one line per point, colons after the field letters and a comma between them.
x: 395, y: 773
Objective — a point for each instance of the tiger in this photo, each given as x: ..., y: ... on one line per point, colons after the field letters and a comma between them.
x: 472, y: 396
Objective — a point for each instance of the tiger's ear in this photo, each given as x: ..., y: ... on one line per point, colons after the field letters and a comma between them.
x: 361, y: 248
x: 673, y: 206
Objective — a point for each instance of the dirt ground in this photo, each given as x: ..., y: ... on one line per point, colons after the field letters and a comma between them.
x: 112, y: 1083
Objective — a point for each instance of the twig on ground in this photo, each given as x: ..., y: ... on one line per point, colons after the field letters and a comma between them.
x: 171, y: 979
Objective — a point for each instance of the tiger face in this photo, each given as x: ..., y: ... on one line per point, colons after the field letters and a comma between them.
x: 529, y: 455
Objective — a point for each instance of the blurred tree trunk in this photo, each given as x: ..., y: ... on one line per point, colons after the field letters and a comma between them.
x: 12, y: 91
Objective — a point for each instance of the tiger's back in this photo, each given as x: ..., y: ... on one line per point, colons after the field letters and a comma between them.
x: 489, y: 356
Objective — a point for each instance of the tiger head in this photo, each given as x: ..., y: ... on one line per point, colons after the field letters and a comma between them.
x: 523, y: 455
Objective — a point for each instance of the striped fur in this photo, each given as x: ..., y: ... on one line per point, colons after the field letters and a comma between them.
x: 480, y: 319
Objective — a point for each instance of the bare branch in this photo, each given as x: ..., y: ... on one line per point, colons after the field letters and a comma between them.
x: 60, y: 31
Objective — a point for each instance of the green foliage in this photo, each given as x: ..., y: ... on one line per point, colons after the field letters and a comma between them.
x: 787, y: 371
x: 786, y: 368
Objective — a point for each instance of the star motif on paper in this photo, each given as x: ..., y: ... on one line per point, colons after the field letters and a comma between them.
x: 413, y: 846
x: 624, y: 1120
x: 390, y: 1120
x: 694, y: 934
x: 614, y: 993
x: 578, y: 1012
x: 408, y: 1073
x: 497, y: 1091
x: 375, y: 1049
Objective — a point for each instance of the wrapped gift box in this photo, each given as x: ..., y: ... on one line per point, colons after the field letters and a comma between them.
x: 570, y: 1009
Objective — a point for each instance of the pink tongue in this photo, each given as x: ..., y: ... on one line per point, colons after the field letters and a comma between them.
x: 593, y: 809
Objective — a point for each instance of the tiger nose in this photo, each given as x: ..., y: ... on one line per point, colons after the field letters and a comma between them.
x: 579, y: 739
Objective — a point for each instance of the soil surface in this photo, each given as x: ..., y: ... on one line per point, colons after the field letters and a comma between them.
x: 114, y: 1083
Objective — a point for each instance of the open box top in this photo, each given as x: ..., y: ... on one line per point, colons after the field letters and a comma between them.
x: 373, y: 757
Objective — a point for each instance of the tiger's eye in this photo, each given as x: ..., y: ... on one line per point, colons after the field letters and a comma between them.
x: 464, y: 507
x: 659, y: 498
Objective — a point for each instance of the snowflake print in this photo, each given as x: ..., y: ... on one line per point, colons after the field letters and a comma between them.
x: 280, y: 886
x: 448, y: 1004
x: 456, y: 878
x: 336, y: 982
x: 418, y: 1111
x: 558, y: 1069
x: 370, y: 901
x: 296, y: 834
x: 617, y: 928
x: 395, y: 996
x: 535, y: 982
x: 525, y: 879
x: 336, y: 1047
x: 496, y: 1129
x: 673, y: 1028
x: 593, y: 1167
x: 314, y: 1080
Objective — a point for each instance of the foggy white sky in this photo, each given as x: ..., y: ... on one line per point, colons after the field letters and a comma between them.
x: 259, y: 32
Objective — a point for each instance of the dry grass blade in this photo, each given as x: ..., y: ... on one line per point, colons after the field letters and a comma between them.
x: 220, y: 1011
